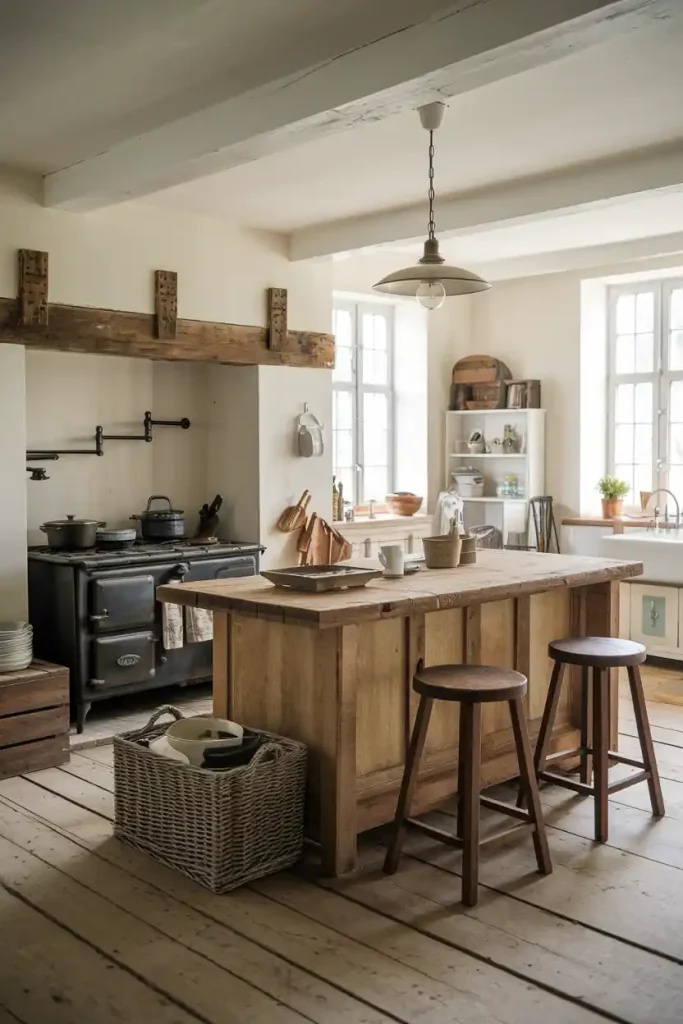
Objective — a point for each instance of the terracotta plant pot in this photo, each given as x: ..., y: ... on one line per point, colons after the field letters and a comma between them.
x: 612, y: 507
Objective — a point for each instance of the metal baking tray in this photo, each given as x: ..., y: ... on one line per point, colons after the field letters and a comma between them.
x: 319, y: 578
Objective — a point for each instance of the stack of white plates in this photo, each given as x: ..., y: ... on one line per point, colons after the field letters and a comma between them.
x: 16, y: 646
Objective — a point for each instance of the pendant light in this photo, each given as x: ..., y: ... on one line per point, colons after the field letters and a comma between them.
x: 431, y: 280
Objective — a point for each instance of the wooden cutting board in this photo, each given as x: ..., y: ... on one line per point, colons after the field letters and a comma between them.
x: 479, y: 370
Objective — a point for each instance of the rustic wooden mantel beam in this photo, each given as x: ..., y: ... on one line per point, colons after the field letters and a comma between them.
x: 109, y: 332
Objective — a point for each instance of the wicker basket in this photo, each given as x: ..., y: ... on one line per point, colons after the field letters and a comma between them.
x: 220, y: 828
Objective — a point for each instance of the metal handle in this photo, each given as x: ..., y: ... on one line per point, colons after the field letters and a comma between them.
x: 181, y: 570
x: 97, y: 684
x: 100, y: 618
x: 159, y: 497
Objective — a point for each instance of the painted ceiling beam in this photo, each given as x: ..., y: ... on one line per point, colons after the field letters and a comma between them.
x: 513, y: 202
x: 659, y: 250
x: 469, y: 45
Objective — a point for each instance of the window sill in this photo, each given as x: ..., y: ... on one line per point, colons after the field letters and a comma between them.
x: 385, y: 520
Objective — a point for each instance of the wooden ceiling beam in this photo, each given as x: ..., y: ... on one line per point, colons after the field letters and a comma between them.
x: 32, y: 321
x: 108, y: 332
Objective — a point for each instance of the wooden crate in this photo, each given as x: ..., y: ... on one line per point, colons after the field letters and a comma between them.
x: 34, y: 718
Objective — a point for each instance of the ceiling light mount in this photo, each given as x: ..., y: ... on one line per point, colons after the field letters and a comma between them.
x: 431, y: 280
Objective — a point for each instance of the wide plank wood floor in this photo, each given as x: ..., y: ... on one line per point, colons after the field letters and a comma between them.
x: 96, y: 933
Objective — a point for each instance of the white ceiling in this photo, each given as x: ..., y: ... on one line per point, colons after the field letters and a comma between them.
x: 87, y: 87
x: 607, y: 100
x: 78, y: 76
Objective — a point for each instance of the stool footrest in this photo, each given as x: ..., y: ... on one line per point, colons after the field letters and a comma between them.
x: 559, y: 780
x: 562, y: 755
x: 503, y: 808
x: 622, y: 759
x: 585, y: 790
x: 632, y: 780
x: 435, y: 833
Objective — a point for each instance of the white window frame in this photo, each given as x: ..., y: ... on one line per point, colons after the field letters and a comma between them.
x: 358, y: 389
x: 660, y: 376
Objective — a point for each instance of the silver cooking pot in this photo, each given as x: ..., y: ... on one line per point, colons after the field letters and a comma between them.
x: 161, y: 524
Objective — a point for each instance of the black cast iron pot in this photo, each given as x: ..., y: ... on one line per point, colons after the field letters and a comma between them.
x: 71, y: 533
x: 161, y: 524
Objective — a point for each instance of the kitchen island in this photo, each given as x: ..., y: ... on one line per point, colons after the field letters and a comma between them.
x: 334, y: 671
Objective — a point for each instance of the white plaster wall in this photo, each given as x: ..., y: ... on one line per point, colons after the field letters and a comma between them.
x: 533, y: 325
x: 232, y: 453
x: 13, y: 597
x: 107, y: 259
x: 284, y: 474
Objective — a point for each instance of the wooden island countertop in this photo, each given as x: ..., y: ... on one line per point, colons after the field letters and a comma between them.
x: 334, y: 670
x: 495, y: 576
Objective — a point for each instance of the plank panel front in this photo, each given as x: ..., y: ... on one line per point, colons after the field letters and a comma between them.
x: 381, y: 695
x: 444, y: 645
x: 549, y: 619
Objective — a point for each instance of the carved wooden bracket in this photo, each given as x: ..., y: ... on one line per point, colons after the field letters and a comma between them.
x: 277, y: 317
x: 32, y: 293
x: 154, y: 336
x: 166, y: 303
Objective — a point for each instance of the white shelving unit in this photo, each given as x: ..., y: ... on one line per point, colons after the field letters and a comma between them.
x: 510, y: 515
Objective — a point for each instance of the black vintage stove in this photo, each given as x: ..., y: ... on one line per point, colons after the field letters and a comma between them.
x: 96, y: 612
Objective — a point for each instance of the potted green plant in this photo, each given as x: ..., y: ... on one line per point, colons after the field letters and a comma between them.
x: 613, y: 492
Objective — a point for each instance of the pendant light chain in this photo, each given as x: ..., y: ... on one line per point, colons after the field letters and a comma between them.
x: 430, y: 193
x: 430, y: 279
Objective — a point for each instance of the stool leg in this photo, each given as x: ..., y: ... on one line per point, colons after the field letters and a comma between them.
x: 645, y: 737
x: 529, y: 785
x: 470, y: 787
x: 463, y: 754
x: 586, y: 769
x: 601, y: 725
x: 547, y: 723
x: 405, y: 797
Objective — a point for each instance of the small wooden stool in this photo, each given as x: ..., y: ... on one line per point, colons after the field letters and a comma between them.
x: 471, y: 686
x: 600, y: 654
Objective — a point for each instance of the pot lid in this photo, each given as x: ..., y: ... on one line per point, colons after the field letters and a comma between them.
x: 162, y: 514
x: 71, y: 521
x: 123, y: 534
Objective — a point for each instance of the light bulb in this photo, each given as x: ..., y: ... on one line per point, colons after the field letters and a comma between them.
x: 430, y: 294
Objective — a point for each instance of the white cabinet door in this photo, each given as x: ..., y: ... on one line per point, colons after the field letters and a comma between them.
x: 654, y: 616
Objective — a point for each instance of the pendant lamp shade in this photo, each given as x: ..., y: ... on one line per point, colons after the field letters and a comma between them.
x: 431, y: 280
x: 454, y: 280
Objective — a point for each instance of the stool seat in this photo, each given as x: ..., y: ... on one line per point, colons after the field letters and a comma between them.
x: 597, y: 652
x: 469, y: 683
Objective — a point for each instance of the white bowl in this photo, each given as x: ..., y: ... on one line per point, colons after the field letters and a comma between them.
x: 15, y: 666
x: 16, y: 626
x: 192, y: 736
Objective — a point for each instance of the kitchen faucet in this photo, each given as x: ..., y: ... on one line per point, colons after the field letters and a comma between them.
x: 664, y: 490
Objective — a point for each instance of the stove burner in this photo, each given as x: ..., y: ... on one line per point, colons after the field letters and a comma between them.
x: 140, y: 551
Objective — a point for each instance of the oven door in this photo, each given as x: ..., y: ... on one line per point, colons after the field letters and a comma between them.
x: 121, y: 602
x: 120, y: 661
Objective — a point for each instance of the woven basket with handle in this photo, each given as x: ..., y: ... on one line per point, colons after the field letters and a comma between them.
x: 221, y: 828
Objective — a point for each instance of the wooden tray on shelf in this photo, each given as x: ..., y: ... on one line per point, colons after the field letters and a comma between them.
x: 320, y: 578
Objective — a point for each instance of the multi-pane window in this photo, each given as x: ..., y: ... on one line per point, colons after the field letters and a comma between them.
x: 646, y: 386
x: 363, y: 400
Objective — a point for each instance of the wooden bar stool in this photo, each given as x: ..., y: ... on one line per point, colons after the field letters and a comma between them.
x: 599, y: 654
x: 471, y: 686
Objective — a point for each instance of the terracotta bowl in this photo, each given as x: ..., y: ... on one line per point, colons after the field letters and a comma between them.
x: 403, y: 503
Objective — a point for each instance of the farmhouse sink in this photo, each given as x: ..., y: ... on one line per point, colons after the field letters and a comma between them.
x: 661, y: 554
